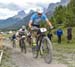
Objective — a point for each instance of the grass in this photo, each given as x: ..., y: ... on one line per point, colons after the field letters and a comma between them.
x: 65, y: 52
x: 6, y: 59
x: 62, y: 53
x: 7, y: 35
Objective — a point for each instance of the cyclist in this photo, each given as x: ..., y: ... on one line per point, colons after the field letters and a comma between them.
x: 21, y: 34
x: 36, y: 19
x: 13, y: 38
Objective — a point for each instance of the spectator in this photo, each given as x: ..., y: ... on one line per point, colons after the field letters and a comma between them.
x: 69, y: 34
x: 59, y: 33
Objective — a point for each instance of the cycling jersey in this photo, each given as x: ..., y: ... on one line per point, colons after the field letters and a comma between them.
x: 22, y: 32
x: 35, y: 18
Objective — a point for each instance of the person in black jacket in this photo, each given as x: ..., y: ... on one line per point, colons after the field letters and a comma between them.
x: 69, y: 34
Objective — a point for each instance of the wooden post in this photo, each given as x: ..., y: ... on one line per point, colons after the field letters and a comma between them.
x: 1, y: 41
x: 1, y: 54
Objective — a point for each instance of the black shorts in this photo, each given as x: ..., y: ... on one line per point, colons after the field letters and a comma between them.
x: 38, y: 26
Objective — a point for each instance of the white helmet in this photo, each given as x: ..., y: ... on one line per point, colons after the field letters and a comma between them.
x: 23, y: 27
x: 39, y: 10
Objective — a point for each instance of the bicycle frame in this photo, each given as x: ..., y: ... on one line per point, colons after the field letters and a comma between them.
x: 38, y: 37
x: 42, y: 47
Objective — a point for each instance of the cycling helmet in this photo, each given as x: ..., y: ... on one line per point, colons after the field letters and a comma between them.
x: 39, y: 10
x: 23, y: 27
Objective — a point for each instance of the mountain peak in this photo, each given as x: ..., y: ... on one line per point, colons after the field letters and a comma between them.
x: 64, y: 2
x: 21, y: 12
x: 31, y: 11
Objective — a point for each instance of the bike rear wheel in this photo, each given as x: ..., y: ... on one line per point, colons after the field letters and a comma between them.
x: 46, y: 49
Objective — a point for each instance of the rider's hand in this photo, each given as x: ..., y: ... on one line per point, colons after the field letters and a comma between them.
x: 51, y: 27
x: 32, y: 28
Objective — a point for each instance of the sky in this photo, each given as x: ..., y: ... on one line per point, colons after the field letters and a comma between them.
x: 9, y: 8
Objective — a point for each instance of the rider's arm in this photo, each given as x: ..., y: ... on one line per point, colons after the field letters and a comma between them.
x: 48, y: 22
x: 17, y: 34
x: 46, y: 19
x: 30, y: 24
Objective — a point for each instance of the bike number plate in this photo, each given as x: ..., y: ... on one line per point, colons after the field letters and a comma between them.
x: 43, y: 29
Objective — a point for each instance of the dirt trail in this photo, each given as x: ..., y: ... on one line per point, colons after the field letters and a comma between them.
x: 26, y: 60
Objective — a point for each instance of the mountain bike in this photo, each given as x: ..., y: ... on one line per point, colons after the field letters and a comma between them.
x: 22, y: 44
x: 29, y: 39
x: 43, y: 45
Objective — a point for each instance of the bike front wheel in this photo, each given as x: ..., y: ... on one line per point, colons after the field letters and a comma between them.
x: 35, y: 52
x: 46, y: 49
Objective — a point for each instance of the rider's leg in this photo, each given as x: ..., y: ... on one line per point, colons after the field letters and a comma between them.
x: 38, y: 39
x: 24, y: 46
x: 20, y: 45
x: 37, y: 45
x: 14, y: 43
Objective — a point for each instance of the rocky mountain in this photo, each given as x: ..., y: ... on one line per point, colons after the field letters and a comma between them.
x: 21, y: 22
x: 64, y: 2
x: 21, y: 14
x: 52, y: 6
x: 12, y: 20
x: 21, y: 18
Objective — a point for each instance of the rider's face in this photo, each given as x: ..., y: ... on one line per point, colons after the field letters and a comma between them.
x: 23, y: 29
x: 39, y: 14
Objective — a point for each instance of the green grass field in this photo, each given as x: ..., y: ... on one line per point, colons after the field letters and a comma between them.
x: 64, y: 52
